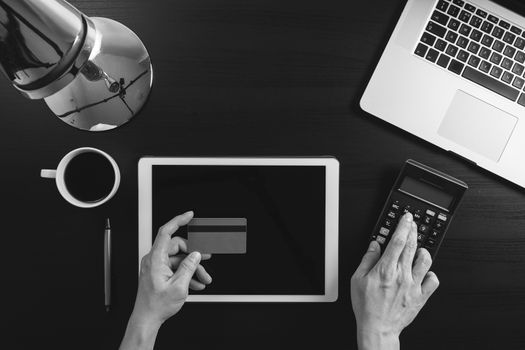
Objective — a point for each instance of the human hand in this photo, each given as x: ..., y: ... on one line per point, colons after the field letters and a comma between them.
x: 388, y: 291
x: 166, y: 275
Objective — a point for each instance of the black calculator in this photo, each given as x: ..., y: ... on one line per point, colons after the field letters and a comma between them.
x: 430, y: 195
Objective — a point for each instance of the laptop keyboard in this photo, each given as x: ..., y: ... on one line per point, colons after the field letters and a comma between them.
x: 477, y: 45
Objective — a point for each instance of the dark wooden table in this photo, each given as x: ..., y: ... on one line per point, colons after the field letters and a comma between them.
x: 246, y: 77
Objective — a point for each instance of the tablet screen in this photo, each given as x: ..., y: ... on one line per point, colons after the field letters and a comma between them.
x: 285, y: 211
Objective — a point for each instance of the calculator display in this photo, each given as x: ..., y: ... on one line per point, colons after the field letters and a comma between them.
x: 426, y: 192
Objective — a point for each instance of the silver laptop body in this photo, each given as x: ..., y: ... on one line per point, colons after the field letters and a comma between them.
x: 472, y: 103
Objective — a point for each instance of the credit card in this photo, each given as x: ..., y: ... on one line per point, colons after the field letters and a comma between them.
x: 218, y: 235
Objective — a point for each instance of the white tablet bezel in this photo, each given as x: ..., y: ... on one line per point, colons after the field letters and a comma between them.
x: 331, y: 222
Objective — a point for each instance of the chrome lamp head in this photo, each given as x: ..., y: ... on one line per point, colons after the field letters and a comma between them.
x: 94, y: 73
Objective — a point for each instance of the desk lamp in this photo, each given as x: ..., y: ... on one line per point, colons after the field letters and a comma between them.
x: 93, y: 73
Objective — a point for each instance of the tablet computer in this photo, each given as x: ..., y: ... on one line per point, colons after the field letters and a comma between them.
x: 288, y: 209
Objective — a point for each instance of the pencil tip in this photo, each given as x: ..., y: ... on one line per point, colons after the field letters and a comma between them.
x: 108, y: 225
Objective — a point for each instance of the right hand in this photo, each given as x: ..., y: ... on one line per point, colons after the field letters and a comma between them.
x: 388, y: 291
x: 166, y: 275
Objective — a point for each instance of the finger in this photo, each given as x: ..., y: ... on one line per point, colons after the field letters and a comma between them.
x: 430, y: 284
x: 407, y: 256
x: 203, y: 275
x: 421, y: 265
x: 369, y: 259
x: 186, y: 269
x: 176, y: 245
x: 163, y: 238
x: 398, y: 241
x: 196, y: 285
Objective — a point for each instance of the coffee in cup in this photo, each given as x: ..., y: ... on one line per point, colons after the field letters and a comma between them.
x: 86, y: 177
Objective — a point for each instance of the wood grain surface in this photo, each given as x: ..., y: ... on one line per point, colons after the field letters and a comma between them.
x: 247, y: 77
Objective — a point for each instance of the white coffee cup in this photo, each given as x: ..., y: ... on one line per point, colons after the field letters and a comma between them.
x: 58, y: 175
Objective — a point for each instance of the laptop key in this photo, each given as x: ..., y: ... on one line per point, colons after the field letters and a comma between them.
x: 484, y: 53
x: 476, y: 21
x: 453, y: 11
x: 520, y: 57
x: 462, y: 42
x: 465, y: 30
x: 442, y: 5
x: 521, y: 101
x: 452, y: 50
x: 507, y: 77
x: 465, y: 16
x: 443, y: 60
x: 493, y: 19
x: 504, y: 24
x: 520, y: 43
x: 487, y: 27
x: 456, y: 67
x: 440, y: 17
x: 498, y: 46
x: 498, y: 32
x: 428, y: 39
x: 436, y: 29
x: 441, y: 45
x: 518, y: 83
x: 421, y: 50
x: 487, y: 40
x: 485, y: 66
x: 451, y: 37
x: 496, y: 58
x: 506, y: 64
x: 470, y: 8
x: 481, y: 13
x: 476, y: 35
x: 474, y: 61
x: 474, y: 48
x: 509, y: 51
x: 518, y: 69
x: 496, y: 72
x: 516, y: 30
x: 463, y: 56
x: 509, y: 38
x: 432, y: 55
x: 454, y: 24
x: 460, y: 3
x: 491, y: 83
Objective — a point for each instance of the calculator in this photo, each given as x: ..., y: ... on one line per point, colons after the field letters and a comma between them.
x: 430, y: 195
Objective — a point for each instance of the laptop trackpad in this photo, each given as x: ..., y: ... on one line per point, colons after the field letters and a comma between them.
x: 478, y: 126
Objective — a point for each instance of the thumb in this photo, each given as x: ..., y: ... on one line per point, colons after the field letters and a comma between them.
x: 369, y: 259
x: 187, y: 268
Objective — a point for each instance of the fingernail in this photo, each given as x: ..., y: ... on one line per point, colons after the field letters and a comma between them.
x: 408, y: 217
x: 189, y: 212
x: 195, y: 256
x: 373, y: 246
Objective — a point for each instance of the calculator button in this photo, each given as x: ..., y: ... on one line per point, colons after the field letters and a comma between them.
x: 381, y: 239
x: 395, y: 206
x: 430, y: 213
x: 442, y: 217
x: 408, y: 209
x: 389, y: 224
x: 427, y: 220
x: 384, y: 231
x: 423, y: 229
x: 417, y: 215
x: 392, y: 214
x: 430, y: 242
x: 420, y: 237
x: 434, y: 234
x: 439, y: 225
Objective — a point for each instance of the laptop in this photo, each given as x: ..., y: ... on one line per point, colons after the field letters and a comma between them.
x: 453, y: 74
